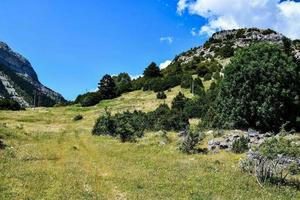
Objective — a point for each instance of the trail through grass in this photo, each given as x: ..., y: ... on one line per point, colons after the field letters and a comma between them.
x: 49, y: 156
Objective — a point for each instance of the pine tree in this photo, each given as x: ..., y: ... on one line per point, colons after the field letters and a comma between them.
x: 152, y: 71
x: 107, y: 87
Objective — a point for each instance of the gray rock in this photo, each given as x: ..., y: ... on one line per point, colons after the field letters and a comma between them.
x: 20, y: 67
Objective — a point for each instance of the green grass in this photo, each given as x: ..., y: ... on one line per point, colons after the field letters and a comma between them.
x: 52, y: 157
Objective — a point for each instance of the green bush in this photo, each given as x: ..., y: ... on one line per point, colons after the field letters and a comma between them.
x: 89, y: 99
x: 260, y: 89
x: 226, y: 51
x: 77, y: 118
x: 127, y: 126
x: 161, y: 95
x: 279, y: 146
x: 2, y: 145
x: 105, y: 125
x: 186, y: 81
x: 179, y: 102
x: 202, y: 70
x: 240, y: 145
x: 190, y: 142
x: 163, y: 118
x: 207, y: 76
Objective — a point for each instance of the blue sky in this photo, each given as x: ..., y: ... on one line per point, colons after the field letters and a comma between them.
x: 73, y: 43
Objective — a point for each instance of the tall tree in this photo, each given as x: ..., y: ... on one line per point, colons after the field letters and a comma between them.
x: 152, y: 71
x: 123, y: 83
x: 107, y: 87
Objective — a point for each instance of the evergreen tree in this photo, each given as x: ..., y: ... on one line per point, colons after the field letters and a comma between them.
x: 152, y: 71
x: 179, y: 102
x: 107, y: 87
x: 123, y: 83
x: 198, y: 87
x: 260, y: 89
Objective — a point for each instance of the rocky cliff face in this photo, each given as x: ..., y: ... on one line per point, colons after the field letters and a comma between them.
x: 236, y: 39
x: 19, y: 81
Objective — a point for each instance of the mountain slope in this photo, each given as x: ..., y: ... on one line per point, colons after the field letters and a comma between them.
x: 19, y: 81
x: 223, y: 44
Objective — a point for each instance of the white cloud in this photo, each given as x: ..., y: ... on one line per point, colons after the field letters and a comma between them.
x: 165, y: 64
x: 135, y: 76
x: 283, y: 16
x: 193, y: 32
x: 168, y: 39
x: 181, y: 6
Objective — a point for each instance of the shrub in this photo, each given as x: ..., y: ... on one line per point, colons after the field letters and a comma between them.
x: 274, y: 161
x: 127, y: 126
x: 105, y: 125
x: 268, y: 31
x: 90, y: 99
x: 207, y: 77
x: 260, y: 89
x: 190, y: 142
x: 2, y: 145
x: 279, y: 146
x: 186, y: 81
x: 226, y: 51
x: 202, y: 70
x: 78, y: 117
x: 163, y: 118
x: 161, y: 95
x: 195, y: 108
x: 240, y: 145
x: 179, y: 102
x: 197, y: 87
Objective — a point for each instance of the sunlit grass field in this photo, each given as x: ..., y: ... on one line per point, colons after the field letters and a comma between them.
x: 50, y: 156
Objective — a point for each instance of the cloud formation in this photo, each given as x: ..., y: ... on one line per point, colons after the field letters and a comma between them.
x: 283, y: 16
x: 167, y: 39
x: 165, y: 64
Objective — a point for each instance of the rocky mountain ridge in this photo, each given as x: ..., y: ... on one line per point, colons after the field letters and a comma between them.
x: 233, y: 39
x: 19, y: 81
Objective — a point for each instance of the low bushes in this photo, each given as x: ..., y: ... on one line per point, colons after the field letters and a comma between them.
x: 2, y: 145
x: 190, y: 142
x: 77, y: 118
x: 161, y: 95
x: 274, y: 161
x: 130, y: 125
x: 127, y: 126
x: 240, y: 145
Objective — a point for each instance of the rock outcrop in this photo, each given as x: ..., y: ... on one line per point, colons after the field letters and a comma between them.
x: 235, y: 39
x: 19, y: 81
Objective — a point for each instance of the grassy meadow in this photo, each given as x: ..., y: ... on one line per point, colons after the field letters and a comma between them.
x: 50, y: 156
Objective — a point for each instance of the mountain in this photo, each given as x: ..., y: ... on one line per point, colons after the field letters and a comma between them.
x: 223, y: 44
x: 19, y: 81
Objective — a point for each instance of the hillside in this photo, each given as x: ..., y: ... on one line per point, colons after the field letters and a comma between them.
x: 19, y: 81
x: 53, y: 157
x: 220, y: 122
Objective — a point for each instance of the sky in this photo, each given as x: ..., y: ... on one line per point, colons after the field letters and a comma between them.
x: 72, y: 43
